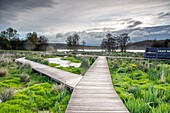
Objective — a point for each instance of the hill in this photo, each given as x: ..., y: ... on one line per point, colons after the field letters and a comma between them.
x: 148, y: 43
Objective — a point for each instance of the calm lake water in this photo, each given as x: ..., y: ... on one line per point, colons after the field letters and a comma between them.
x: 63, y: 63
x: 99, y: 50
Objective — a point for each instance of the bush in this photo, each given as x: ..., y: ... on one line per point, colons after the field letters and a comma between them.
x: 38, y: 59
x: 121, y: 70
x: 84, y: 65
x: 58, y: 88
x: 7, y: 94
x: 137, y: 106
x: 24, y: 78
x: 25, y: 66
x: 153, y: 74
x: 132, y: 89
x: 92, y: 59
x: 3, y: 72
x: 151, y: 96
x: 163, y: 108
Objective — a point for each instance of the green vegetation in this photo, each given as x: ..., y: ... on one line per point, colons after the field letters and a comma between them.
x: 9, y: 40
x: 72, y: 59
x: 142, y: 85
x: 24, y: 78
x: 7, y: 94
x: 71, y: 69
x: 38, y: 59
x: 24, y: 91
x: 86, y: 62
x: 3, y: 72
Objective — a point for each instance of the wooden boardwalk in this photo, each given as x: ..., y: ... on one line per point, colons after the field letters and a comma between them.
x: 95, y: 93
x: 67, y: 78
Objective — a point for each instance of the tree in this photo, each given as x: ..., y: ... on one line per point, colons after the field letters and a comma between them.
x: 109, y: 43
x: 28, y: 45
x: 11, y: 32
x: 73, y: 41
x: 7, y: 38
x: 4, y: 43
x: 42, y: 43
x: 32, y: 39
x: 83, y: 43
x: 15, y: 43
x: 69, y: 42
x: 168, y: 45
x: 167, y: 41
x: 122, y: 41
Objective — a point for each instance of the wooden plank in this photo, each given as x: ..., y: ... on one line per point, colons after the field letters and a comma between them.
x: 67, y: 78
x: 95, y: 93
x: 91, y: 108
x: 76, y: 111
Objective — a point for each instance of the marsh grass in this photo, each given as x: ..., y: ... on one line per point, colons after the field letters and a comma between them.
x: 142, y: 90
x: 3, y: 72
x: 7, y: 94
x: 31, y: 96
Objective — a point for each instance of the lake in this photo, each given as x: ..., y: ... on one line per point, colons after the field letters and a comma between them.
x: 63, y: 63
x: 99, y: 50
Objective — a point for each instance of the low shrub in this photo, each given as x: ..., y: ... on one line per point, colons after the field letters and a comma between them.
x: 153, y: 74
x: 132, y: 89
x: 121, y: 70
x: 71, y: 69
x: 38, y: 59
x: 7, y: 94
x: 85, y: 63
x: 53, y: 64
x: 163, y: 108
x: 58, y: 88
x: 72, y: 59
x: 3, y: 72
x: 24, y: 78
x: 25, y: 66
x: 151, y: 96
x: 137, y: 106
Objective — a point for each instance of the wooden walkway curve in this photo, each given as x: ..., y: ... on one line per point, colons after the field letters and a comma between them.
x: 95, y: 93
x: 67, y: 78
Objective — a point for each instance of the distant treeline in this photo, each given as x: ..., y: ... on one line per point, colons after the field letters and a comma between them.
x: 161, y: 43
x: 9, y: 40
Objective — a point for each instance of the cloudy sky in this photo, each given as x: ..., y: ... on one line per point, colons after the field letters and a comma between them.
x: 51, y: 17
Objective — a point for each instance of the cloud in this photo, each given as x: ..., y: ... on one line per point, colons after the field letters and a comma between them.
x: 55, y: 16
x: 163, y: 14
x: 130, y: 22
x: 9, y: 9
x: 95, y: 38
x: 134, y: 23
x: 138, y: 33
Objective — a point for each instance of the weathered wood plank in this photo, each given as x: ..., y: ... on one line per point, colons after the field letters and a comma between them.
x: 95, y: 93
x: 67, y: 78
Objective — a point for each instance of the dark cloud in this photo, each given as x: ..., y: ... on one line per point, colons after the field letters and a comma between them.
x: 54, y: 16
x: 163, y: 14
x: 130, y: 22
x: 10, y: 8
x: 134, y: 23
x: 100, y: 29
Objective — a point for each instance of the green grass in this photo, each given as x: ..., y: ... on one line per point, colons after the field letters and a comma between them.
x: 141, y: 88
x: 71, y: 69
x: 53, y: 64
x: 32, y: 96
x: 71, y: 59
x: 86, y: 62
x: 39, y: 97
